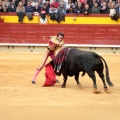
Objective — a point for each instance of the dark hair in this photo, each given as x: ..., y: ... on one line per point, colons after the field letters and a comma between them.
x: 44, y: 4
x: 60, y: 34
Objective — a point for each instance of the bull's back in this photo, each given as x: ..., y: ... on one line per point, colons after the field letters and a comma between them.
x: 82, y: 60
x: 75, y: 53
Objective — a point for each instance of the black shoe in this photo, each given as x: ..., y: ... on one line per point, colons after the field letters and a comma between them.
x: 58, y: 21
x: 33, y: 82
x: 30, y: 18
x: 20, y: 20
x: 116, y: 19
x: 64, y: 19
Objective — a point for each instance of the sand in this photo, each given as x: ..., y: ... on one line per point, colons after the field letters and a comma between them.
x: 21, y: 100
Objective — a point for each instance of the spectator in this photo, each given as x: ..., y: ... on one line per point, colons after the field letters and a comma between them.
x: 15, y: 2
x: 118, y: 8
x: 32, y: 3
x: 1, y: 7
x: 18, y: 1
x: 4, y: 6
x: 82, y: 1
x: 87, y: 10
x: 63, y: 2
x: 7, y: 4
x: 99, y: 3
x: 104, y: 8
x: 61, y: 12
x: 47, y: 6
x: 92, y: 3
x: 117, y: 3
x: 85, y: 3
x: 0, y: 1
x: 43, y: 11
x: 70, y: 9
x: 20, y: 10
x: 110, y: 3
x: 52, y: 12
x: 69, y: 4
x: 47, y: 2
x: 24, y: 2
x: 40, y: 3
x: 29, y: 11
x: 113, y: 13
x: 79, y: 8
x: 37, y: 8
x: 55, y: 3
x: 12, y: 7
x: 95, y: 8
x: 76, y: 3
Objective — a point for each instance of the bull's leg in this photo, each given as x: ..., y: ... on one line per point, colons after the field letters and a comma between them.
x: 77, y: 80
x: 92, y: 75
x: 65, y: 80
x: 101, y: 75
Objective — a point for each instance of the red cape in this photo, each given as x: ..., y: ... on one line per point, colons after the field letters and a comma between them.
x: 50, y: 76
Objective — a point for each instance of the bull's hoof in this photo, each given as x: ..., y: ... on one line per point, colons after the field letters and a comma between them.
x: 97, y: 91
x: 107, y: 91
x: 62, y: 86
x: 80, y: 86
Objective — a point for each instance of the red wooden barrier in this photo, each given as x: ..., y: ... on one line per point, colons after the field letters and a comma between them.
x: 74, y: 34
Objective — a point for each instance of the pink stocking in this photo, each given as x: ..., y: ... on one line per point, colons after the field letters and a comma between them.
x: 36, y: 74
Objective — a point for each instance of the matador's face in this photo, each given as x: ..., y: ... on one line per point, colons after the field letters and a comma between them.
x: 60, y: 37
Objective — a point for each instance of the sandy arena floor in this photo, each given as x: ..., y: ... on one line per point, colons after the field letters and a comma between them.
x: 20, y: 100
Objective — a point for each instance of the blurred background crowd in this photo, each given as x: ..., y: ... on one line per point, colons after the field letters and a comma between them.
x: 57, y: 9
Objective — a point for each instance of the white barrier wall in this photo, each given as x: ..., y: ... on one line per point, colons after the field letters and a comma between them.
x: 39, y: 48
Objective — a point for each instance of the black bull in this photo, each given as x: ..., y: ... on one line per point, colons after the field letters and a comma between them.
x: 77, y: 61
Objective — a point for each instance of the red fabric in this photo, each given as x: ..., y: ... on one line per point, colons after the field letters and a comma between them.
x: 55, y: 4
x: 51, y: 43
x: 50, y: 76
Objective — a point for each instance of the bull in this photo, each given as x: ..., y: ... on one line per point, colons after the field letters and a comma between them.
x: 75, y: 61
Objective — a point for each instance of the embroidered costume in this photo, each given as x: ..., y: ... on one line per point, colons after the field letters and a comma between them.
x: 55, y: 42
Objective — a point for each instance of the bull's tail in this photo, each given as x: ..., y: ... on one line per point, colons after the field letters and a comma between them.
x: 107, y: 72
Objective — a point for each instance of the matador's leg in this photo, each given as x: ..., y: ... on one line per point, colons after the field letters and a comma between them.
x: 45, y: 57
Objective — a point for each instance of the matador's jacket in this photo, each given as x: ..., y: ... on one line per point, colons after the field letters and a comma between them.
x: 54, y: 44
x: 51, y: 49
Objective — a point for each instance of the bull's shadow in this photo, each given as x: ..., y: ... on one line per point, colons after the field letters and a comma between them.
x: 71, y: 61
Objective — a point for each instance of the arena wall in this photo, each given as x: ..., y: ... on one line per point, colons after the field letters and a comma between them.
x: 94, y: 32
x: 10, y: 17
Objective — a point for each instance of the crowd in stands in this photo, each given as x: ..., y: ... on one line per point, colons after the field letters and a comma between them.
x: 57, y: 9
